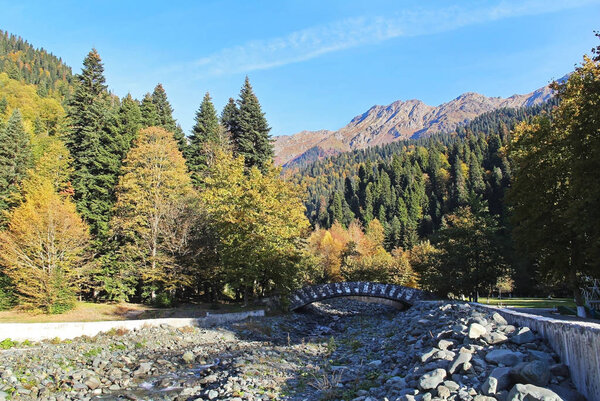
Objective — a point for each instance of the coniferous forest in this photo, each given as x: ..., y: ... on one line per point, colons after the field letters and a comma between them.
x: 107, y: 199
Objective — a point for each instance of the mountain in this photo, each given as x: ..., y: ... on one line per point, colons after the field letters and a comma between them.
x: 400, y: 120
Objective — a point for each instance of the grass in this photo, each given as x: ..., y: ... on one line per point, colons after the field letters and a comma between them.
x: 95, y: 312
x: 528, y: 302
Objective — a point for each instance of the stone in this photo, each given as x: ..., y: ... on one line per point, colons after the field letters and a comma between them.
x: 542, y: 356
x: 567, y: 394
x: 453, y: 386
x: 92, y: 383
x: 144, y: 368
x: 495, y: 338
x: 504, y: 356
x: 445, y: 344
x: 560, y: 369
x: 498, y: 380
x: 432, y: 379
x: 443, y: 391
x: 212, y: 394
x: 427, y: 355
x: 490, y: 386
x: 188, y: 357
x: 461, y: 360
x: 535, y: 372
x: 476, y: 330
x: 499, y: 319
x: 529, y: 392
x: 524, y: 335
x: 483, y: 398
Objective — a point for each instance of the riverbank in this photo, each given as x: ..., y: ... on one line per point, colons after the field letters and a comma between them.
x: 337, y: 350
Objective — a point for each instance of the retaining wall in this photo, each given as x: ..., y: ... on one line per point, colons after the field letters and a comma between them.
x: 66, y: 330
x: 577, y: 344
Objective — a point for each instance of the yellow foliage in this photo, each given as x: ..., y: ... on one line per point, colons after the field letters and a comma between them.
x: 43, y: 247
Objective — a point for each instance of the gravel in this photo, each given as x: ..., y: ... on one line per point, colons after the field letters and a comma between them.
x: 341, y: 349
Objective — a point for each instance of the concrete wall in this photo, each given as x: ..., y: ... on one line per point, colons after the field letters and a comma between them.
x: 44, y: 331
x: 577, y: 343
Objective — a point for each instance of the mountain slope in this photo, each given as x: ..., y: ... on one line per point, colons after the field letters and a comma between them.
x: 400, y: 120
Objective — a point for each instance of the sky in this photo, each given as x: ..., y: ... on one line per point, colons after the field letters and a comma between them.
x: 314, y: 64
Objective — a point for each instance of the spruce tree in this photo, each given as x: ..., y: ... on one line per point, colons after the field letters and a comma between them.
x: 205, y: 133
x: 129, y: 122
x: 250, y: 133
x: 229, y: 115
x: 149, y: 112
x: 165, y: 116
x: 93, y: 145
x: 15, y: 159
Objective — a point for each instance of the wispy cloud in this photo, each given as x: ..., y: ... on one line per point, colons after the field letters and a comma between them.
x: 315, y: 41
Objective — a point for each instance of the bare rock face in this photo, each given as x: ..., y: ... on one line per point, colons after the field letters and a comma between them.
x: 400, y: 120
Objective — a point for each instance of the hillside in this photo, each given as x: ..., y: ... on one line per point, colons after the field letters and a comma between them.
x: 400, y: 120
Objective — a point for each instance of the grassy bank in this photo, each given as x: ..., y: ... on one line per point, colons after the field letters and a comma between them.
x: 94, y: 312
x: 528, y: 302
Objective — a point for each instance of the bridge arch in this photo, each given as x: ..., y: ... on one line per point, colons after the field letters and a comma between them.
x: 397, y: 293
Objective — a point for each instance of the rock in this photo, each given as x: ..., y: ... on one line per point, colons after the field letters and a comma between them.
x: 92, y: 383
x: 529, y: 392
x: 523, y: 336
x: 535, y: 372
x: 560, y: 369
x: 445, y: 344
x: 443, y: 391
x: 144, y: 368
x: 498, y: 318
x: 504, y: 356
x: 498, y: 380
x: 566, y: 393
x: 461, y: 360
x: 431, y: 379
x: 212, y: 394
x: 542, y: 356
x: 476, y: 330
x: 188, y: 357
x: 483, y: 398
x: 495, y: 338
x: 453, y: 386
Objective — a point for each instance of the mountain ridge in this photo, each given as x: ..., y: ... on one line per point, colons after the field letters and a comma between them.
x: 401, y: 119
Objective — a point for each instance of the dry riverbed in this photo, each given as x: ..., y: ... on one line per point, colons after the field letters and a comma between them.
x: 342, y: 349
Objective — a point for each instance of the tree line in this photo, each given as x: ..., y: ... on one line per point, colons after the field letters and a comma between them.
x: 120, y: 205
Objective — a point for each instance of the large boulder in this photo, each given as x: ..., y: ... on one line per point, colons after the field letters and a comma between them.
x: 535, y: 372
x: 529, y: 392
x: 523, y: 336
x: 504, y: 356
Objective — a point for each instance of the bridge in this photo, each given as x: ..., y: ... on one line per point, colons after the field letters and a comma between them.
x: 395, y: 294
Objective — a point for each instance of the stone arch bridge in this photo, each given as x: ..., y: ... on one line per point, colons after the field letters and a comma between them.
x: 396, y: 295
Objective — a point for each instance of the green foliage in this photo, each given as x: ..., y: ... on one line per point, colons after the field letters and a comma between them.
x: 96, y: 150
x: 250, y: 131
x: 165, y: 116
x: 206, y: 134
x: 15, y: 159
x: 557, y: 163
x: 7, y: 343
x: 21, y: 61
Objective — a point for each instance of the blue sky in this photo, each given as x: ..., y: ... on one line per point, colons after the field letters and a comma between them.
x: 314, y: 64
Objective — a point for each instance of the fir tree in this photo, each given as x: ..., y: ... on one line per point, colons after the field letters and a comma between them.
x: 165, y: 116
x: 94, y: 148
x: 250, y: 134
x: 205, y: 133
x: 149, y: 112
x: 229, y: 115
x: 15, y: 159
x: 129, y: 122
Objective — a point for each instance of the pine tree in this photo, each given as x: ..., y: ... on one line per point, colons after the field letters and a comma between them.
x: 93, y: 146
x: 206, y: 133
x: 165, y: 116
x: 149, y: 112
x: 250, y: 134
x: 229, y: 115
x: 15, y: 159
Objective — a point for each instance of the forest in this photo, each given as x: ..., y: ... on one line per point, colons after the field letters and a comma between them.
x: 107, y: 199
